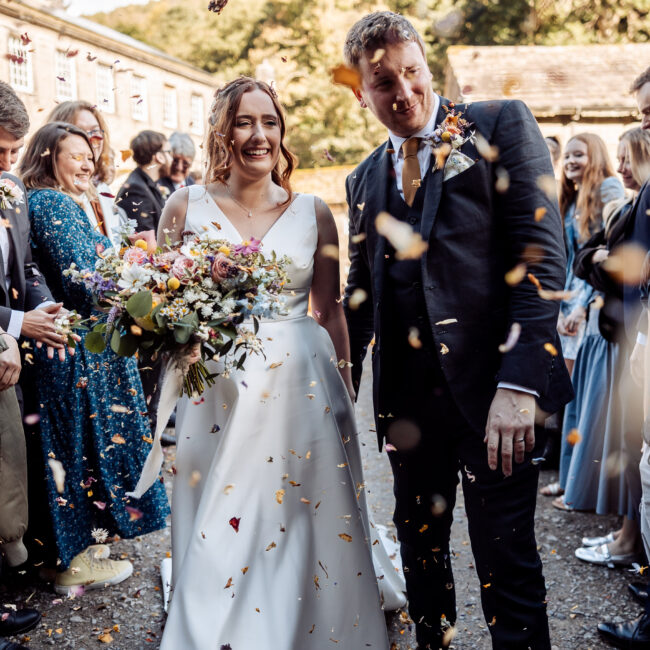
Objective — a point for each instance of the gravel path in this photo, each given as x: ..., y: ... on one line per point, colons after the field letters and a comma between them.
x: 130, y: 616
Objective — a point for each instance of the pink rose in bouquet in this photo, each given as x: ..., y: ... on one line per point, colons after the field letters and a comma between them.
x: 222, y: 268
x: 134, y: 255
x: 166, y: 260
x: 148, y: 236
x: 183, y: 268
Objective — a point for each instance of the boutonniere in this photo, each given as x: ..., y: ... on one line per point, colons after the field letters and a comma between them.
x: 447, y: 139
x: 164, y: 191
x: 10, y: 194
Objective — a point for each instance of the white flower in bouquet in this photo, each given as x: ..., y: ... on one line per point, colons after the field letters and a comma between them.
x: 10, y: 194
x: 134, y: 277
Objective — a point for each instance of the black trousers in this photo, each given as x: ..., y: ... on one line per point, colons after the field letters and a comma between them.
x: 433, y: 445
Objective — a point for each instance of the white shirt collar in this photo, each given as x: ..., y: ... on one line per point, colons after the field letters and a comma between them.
x: 397, y: 140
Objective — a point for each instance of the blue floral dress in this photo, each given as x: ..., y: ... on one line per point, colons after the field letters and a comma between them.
x: 93, y: 415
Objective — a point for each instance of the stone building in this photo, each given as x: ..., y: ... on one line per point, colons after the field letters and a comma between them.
x: 49, y: 57
x: 569, y: 88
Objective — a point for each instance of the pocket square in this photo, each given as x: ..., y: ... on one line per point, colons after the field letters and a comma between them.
x: 457, y: 162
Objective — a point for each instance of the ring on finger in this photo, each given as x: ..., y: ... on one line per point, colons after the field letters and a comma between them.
x: 520, y: 440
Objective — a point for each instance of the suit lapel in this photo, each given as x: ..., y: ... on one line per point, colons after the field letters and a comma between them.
x: 433, y: 187
x: 377, y: 182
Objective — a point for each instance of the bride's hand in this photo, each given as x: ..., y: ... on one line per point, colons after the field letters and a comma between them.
x: 190, y: 353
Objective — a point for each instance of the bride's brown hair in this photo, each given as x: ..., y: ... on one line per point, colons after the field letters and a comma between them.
x: 221, y: 121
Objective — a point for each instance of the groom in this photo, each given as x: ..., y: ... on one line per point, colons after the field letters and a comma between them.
x: 446, y: 398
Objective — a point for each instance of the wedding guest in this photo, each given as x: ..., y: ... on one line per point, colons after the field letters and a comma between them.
x: 635, y: 634
x: 555, y: 149
x: 13, y: 486
x: 183, y: 152
x: 597, y: 475
x: 90, y: 405
x: 98, y: 201
x: 140, y: 196
x: 587, y: 183
x: 142, y: 199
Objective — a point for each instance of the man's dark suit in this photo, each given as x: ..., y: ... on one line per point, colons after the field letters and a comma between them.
x: 28, y: 288
x: 141, y: 199
x: 432, y: 402
x: 168, y: 183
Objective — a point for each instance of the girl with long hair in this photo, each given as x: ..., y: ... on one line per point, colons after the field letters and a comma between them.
x: 90, y: 405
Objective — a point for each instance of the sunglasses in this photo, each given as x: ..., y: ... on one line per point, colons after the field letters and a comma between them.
x: 181, y: 164
x: 95, y: 134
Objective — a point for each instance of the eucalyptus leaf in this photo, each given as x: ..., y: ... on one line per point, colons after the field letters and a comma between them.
x: 139, y: 304
x: 95, y: 342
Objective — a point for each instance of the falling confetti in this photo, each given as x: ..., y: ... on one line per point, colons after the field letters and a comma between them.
x: 345, y: 76
x: 58, y: 473
x: 407, y: 243
x: 234, y: 522
x: 513, y: 337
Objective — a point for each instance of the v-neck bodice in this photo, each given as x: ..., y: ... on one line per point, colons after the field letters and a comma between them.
x: 294, y: 234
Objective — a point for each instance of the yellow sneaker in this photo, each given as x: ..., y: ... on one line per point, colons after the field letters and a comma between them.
x: 92, y: 571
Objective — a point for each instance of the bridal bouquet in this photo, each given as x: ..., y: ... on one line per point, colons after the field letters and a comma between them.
x: 160, y: 299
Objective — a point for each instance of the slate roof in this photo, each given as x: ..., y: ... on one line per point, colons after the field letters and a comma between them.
x: 579, y: 81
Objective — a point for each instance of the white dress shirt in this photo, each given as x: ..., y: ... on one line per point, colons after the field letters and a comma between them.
x: 424, y: 151
x: 16, y: 319
x: 424, y: 158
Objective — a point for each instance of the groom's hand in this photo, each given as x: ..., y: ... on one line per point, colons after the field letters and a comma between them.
x: 510, y: 424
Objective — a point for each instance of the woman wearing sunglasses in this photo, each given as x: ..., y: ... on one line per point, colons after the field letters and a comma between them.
x: 99, y: 204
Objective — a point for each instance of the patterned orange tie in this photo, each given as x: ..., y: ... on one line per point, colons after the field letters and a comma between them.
x: 411, y: 170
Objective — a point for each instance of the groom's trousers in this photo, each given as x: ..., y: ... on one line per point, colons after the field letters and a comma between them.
x: 433, y: 445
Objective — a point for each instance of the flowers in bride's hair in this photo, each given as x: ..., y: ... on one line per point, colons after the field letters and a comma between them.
x: 201, y: 291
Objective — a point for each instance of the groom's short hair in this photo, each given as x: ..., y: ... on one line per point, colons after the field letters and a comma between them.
x: 13, y: 114
x: 640, y: 81
x: 374, y: 31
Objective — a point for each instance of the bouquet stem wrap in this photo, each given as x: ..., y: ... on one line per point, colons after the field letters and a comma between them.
x: 172, y: 384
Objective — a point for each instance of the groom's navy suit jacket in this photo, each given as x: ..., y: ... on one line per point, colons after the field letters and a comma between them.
x: 28, y: 287
x: 475, y: 236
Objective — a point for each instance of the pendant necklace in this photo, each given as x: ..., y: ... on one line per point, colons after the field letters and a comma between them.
x: 248, y: 211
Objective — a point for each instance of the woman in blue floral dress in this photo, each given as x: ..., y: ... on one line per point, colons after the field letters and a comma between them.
x: 92, y: 407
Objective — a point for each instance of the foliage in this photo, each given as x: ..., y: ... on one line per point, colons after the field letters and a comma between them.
x: 297, y: 42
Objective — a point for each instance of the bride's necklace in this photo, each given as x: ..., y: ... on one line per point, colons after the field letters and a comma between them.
x: 248, y: 211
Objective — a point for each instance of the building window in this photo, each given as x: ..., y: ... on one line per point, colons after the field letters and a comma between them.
x: 197, y: 109
x: 105, y: 88
x: 66, y: 77
x: 170, y: 107
x: 139, y: 98
x: 21, y: 75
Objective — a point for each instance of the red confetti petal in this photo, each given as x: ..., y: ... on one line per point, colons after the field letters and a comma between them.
x: 234, y: 522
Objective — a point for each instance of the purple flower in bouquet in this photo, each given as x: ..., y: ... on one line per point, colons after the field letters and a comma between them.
x: 247, y: 247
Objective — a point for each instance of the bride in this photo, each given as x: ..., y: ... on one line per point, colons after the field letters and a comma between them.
x: 270, y: 534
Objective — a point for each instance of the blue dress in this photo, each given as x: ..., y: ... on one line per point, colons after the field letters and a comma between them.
x: 93, y: 415
x: 610, y: 190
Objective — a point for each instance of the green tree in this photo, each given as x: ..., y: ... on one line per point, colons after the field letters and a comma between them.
x: 301, y: 41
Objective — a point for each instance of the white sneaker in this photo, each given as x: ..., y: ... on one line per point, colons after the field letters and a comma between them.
x: 90, y: 571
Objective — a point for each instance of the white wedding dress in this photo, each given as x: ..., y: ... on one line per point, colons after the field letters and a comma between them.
x: 270, y: 536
